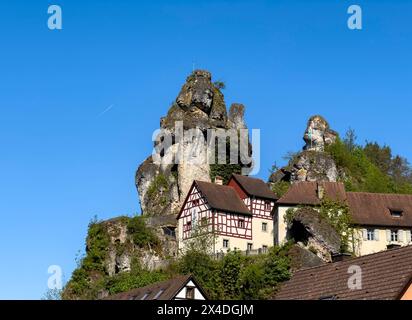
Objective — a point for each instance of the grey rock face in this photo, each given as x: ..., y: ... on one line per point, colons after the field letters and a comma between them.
x: 121, y: 250
x: 314, y: 233
x: 163, y: 187
x: 236, y: 116
x: 301, y: 257
x: 313, y: 163
x: 318, y: 135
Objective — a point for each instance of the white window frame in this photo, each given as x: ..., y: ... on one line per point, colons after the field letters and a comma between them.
x: 370, y: 234
x: 394, y: 235
x: 228, y: 244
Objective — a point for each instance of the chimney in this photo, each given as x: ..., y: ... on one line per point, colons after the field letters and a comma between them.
x: 219, y: 180
x: 341, y: 257
x: 320, y: 191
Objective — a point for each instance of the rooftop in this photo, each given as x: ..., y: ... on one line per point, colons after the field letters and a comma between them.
x: 385, y: 276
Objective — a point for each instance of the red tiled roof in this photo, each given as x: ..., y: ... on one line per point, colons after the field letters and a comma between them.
x: 255, y: 187
x: 385, y: 276
x: 222, y: 198
x: 305, y: 193
x: 375, y: 209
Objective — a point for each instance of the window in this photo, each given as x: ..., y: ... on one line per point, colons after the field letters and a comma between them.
x: 267, y: 205
x: 158, y: 294
x: 225, y: 243
x: 189, y: 225
x: 396, y: 213
x: 190, y: 293
x: 264, y: 227
x: 265, y: 249
x: 370, y: 234
x: 394, y: 235
x: 249, y: 246
x: 241, y: 223
x: 195, y: 203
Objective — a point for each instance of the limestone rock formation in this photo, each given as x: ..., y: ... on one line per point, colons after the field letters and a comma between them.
x: 318, y: 134
x: 313, y: 163
x: 312, y: 232
x: 163, y: 186
x: 301, y: 257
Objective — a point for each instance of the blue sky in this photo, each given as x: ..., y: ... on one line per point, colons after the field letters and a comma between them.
x: 63, y: 161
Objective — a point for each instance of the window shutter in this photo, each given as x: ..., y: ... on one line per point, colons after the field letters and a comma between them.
x: 365, y: 234
x: 400, y: 236
x: 388, y: 235
x: 376, y: 234
x: 408, y: 236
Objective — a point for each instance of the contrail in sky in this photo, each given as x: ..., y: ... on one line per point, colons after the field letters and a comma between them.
x: 106, y: 110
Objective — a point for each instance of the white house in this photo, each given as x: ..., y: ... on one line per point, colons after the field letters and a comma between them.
x: 382, y: 220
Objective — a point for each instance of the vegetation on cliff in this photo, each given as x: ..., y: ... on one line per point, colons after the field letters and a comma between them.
x: 234, y: 276
x: 372, y: 167
x: 92, y: 276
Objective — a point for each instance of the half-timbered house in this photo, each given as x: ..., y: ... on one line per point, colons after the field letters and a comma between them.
x: 237, y: 215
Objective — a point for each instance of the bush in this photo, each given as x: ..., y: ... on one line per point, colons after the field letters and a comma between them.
x: 142, y: 236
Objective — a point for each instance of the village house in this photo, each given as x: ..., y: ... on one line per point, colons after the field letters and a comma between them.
x: 239, y: 214
x: 386, y: 275
x: 382, y: 220
x: 178, y: 288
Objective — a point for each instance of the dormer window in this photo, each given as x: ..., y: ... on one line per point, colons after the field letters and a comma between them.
x: 396, y: 213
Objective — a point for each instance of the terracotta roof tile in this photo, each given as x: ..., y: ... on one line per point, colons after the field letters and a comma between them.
x: 223, y: 198
x: 305, y: 193
x: 375, y: 209
x: 385, y: 275
x: 255, y: 187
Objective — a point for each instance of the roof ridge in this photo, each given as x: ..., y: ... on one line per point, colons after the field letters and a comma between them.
x: 380, y: 193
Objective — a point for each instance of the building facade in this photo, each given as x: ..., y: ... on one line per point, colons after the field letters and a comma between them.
x: 238, y: 216
x: 380, y: 220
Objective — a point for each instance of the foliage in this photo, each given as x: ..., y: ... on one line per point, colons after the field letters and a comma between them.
x: 157, y: 191
x: 371, y: 168
x: 136, y: 278
x: 337, y: 214
x: 97, y: 244
x: 224, y: 170
x: 91, y: 276
x: 202, y: 239
x: 142, y: 236
x: 339, y: 217
x: 220, y: 85
x: 280, y: 188
x: 52, y: 294
x: 237, y: 276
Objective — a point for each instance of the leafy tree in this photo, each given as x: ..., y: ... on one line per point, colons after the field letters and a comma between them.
x: 380, y: 156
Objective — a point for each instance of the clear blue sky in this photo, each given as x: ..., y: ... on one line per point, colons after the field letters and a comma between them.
x: 63, y: 161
